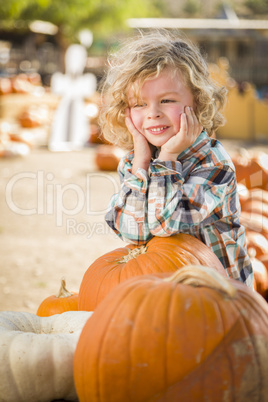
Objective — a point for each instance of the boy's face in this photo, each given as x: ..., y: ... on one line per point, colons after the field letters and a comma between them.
x: 157, y: 114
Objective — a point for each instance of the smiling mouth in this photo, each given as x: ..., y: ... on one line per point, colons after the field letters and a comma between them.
x: 157, y: 129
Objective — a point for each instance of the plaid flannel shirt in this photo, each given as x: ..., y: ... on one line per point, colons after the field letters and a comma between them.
x: 197, y: 194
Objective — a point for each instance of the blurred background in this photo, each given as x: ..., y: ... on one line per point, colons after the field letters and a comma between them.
x: 35, y: 35
x: 53, y: 55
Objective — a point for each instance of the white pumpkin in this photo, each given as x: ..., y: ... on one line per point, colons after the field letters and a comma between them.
x: 36, y: 355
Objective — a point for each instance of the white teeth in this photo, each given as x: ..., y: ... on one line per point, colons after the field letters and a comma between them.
x: 157, y: 129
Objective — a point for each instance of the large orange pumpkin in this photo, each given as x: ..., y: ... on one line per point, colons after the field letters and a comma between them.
x: 158, y: 255
x: 64, y: 301
x: 195, y: 336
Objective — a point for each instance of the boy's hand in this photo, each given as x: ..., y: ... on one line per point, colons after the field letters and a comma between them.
x: 142, y: 148
x: 190, y: 129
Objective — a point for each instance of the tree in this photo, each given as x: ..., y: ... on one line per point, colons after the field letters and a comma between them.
x: 100, y: 16
x: 259, y: 7
x: 192, y: 7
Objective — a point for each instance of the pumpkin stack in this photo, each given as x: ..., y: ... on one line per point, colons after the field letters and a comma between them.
x: 158, y: 256
x: 36, y: 350
x: 168, y: 326
x: 251, y: 168
x: 252, y: 177
x: 194, y: 335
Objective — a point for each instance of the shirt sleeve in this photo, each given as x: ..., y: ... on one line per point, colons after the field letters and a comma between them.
x: 127, y: 210
x: 179, y: 205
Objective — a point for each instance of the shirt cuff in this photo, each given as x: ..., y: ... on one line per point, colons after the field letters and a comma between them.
x: 137, y: 181
x: 164, y: 168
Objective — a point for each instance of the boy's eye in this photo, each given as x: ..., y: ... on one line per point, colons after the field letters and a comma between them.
x: 138, y: 105
x: 167, y: 101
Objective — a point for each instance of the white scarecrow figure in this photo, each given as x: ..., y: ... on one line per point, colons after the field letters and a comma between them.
x: 70, y: 127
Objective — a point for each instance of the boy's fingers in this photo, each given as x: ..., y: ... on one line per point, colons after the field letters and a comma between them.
x: 195, y: 121
x: 197, y: 128
x: 190, y: 114
x: 130, y: 126
x: 184, y: 125
x: 192, y: 121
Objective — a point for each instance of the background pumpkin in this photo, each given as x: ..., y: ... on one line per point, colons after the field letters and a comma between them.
x: 243, y: 193
x: 258, y: 194
x: 64, y: 301
x: 251, y: 168
x: 260, y: 277
x: 158, y: 255
x: 256, y: 222
x: 257, y: 242
x: 36, y: 355
x: 257, y: 207
x: 107, y: 157
x: 196, y: 336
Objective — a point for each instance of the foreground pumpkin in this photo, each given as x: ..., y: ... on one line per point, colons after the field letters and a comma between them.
x: 36, y: 355
x: 64, y: 301
x: 194, y: 336
x: 158, y: 255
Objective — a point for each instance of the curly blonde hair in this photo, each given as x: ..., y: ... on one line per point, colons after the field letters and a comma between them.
x: 146, y: 56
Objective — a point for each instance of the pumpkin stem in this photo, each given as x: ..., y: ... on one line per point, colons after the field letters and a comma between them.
x: 63, y: 292
x: 134, y: 253
x: 197, y: 275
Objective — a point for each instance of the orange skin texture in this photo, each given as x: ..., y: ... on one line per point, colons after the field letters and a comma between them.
x: 152, y: 340
x: 258, y: 242
x: 57, y: 305
x: 260, y: 280
x: 252, y: 170
x: 255, y: 206
x: 255, y: 222
x: 165, y: 254
x: 107, y: 157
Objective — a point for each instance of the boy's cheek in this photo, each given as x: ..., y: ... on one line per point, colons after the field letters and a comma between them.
x: 177, y: 120
x: 136, y: 119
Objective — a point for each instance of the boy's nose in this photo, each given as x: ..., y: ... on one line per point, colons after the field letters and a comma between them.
x: 154, y: 112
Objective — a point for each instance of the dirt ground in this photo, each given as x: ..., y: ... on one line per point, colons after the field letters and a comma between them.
x: 52, y: 223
